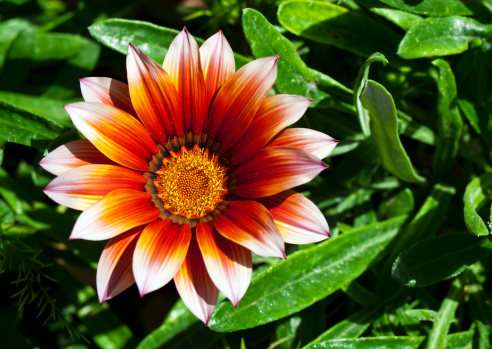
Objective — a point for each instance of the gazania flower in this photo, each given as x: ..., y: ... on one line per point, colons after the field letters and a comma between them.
x: 186, y: 170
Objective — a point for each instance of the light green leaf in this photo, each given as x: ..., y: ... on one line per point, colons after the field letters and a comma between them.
x: 476, y: 193
x: 431, y: 7
x: 370, y: 343
x: 306, y: 277
x: 384, y: 131
x: 403, y: 19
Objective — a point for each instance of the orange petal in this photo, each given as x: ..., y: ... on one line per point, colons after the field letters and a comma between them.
x: 116, y: 134
x: 217, y: 61
x: 153, y: 95
x: 314, y: 142
x: 72, y: 155
x: 83, y: 186
x: 119, y: 211
x: 239, y: 99
x: 228, y: 264
x: 276, y: 169
x: 194, y: 285
x: 160, y: 251
x: 249, y: 224
x: 297, y: 218
x: 108, y: 91
x: 276, y: 113
x: 182, y: 63
x: 114, y: 270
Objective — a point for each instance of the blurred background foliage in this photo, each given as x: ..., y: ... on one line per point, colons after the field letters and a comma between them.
x: 407, y: 194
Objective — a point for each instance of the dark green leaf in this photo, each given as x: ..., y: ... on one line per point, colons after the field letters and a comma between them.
x: 9, y: 30
x: 384, y: 131
x: 401, y: 203
x: 409, y: 127
x: 360, y: 294
x: 442, y: 37
x: 306, y: 277
x: 438, y: 258
x: 370, y: 343
x: 478, y: 117
x: 476, y: 193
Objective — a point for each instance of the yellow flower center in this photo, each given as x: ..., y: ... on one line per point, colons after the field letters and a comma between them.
x: 191, y: 182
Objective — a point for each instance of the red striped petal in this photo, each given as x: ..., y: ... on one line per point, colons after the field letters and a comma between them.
x: 276, y: 169
x: 116, y: 134
x: 153, y: 96
x: 239, y: 99
x: 114, y: 271
x: 276, y: 113
x: 194, y: 285
x: 182, y: 63
x: 108, y: 91
x: 160, y: 251
x: 297, y: 218
x: 217, y: 61
x: 72, y: 155
x: 119, y: 211
x: 314, y: 142
x: 228, y: 264
x: 249, y: 224
x: 83, y: 186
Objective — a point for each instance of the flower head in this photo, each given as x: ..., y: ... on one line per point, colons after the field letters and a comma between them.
x: 186, y: 170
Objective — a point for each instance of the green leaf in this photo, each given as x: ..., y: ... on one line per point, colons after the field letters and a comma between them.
x: 431, y: 7
x: 384, y: 131
x: 20, y: 126
x: 478, y: 117
x: 153, y: 40
x: 306, y: 277
x: 370, y: 343
x: 402, y: 19
x: 335, y: 25
x: 409, y: 127
x: 9, y: 30
x: 294, y: 76
x: 449, y: 124
x: 476, y: 193
x: 460, y: 340
x: 359, y: 84
x: 360, y: 294
x: 400, y: 203
x: 442, y: 37
x: 439, y: 258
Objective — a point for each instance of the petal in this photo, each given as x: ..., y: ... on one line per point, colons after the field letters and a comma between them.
x: 114, y: 271
x: 217, y: 61
x: 116, y: 134
x: 182, y: 63
x: 297, y: 218
x: 249, y: 224
x: 314, y: 142
x: 239, y: 98
x: 115, y: 213
x: 153, y: 96
x: 160, y: 251
x: 195, y: 286
x: 72, y: 155
x: 108, y: 91
x: 276, y: 169
x: 228, y: 264
x: 83, y: 186
x: 276, y: 113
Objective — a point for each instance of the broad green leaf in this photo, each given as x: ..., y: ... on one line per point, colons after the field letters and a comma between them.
x: 370, y: 343
x: 153, y: 40
x: 403, y: 19
x: 438, y: 258
x: 306, y: 277
x: 449, y: 124
x: 476, y: 193
x: 19, y: 126
x: 400, y: 203
x: 431, y: 7
x: 294, y: 76
x: 445, y: 315
x: 384, y: 131
x: 335, y: 25
x: 9, y: 30
x: 359, y: 84
x: 442, y: 37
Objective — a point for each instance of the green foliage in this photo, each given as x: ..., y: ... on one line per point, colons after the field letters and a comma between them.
x: 407, y: 195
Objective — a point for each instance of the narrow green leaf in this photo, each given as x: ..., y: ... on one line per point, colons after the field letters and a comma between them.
x: 360, y: 294
x: 400, y: 203
x: 335, y: 25
x: 439, y: 258
x: 294, y: 76
x: 153, y: 40
x: 370, y: 343
x: 431, y: 7
x: 442, y: 37
x: 359, y: 84
x: 409, y: 127
x: 286, y: 332
x: 384, y: 131
x: 403, y: 19
x: 478, y: 117
x: 449, y: 124
x: 476, y: 193
x: 306, y: 277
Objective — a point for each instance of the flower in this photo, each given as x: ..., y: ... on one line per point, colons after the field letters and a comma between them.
x: 186, y: 170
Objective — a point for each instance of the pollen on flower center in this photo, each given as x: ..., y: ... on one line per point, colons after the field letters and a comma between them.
x: 191, y: 182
